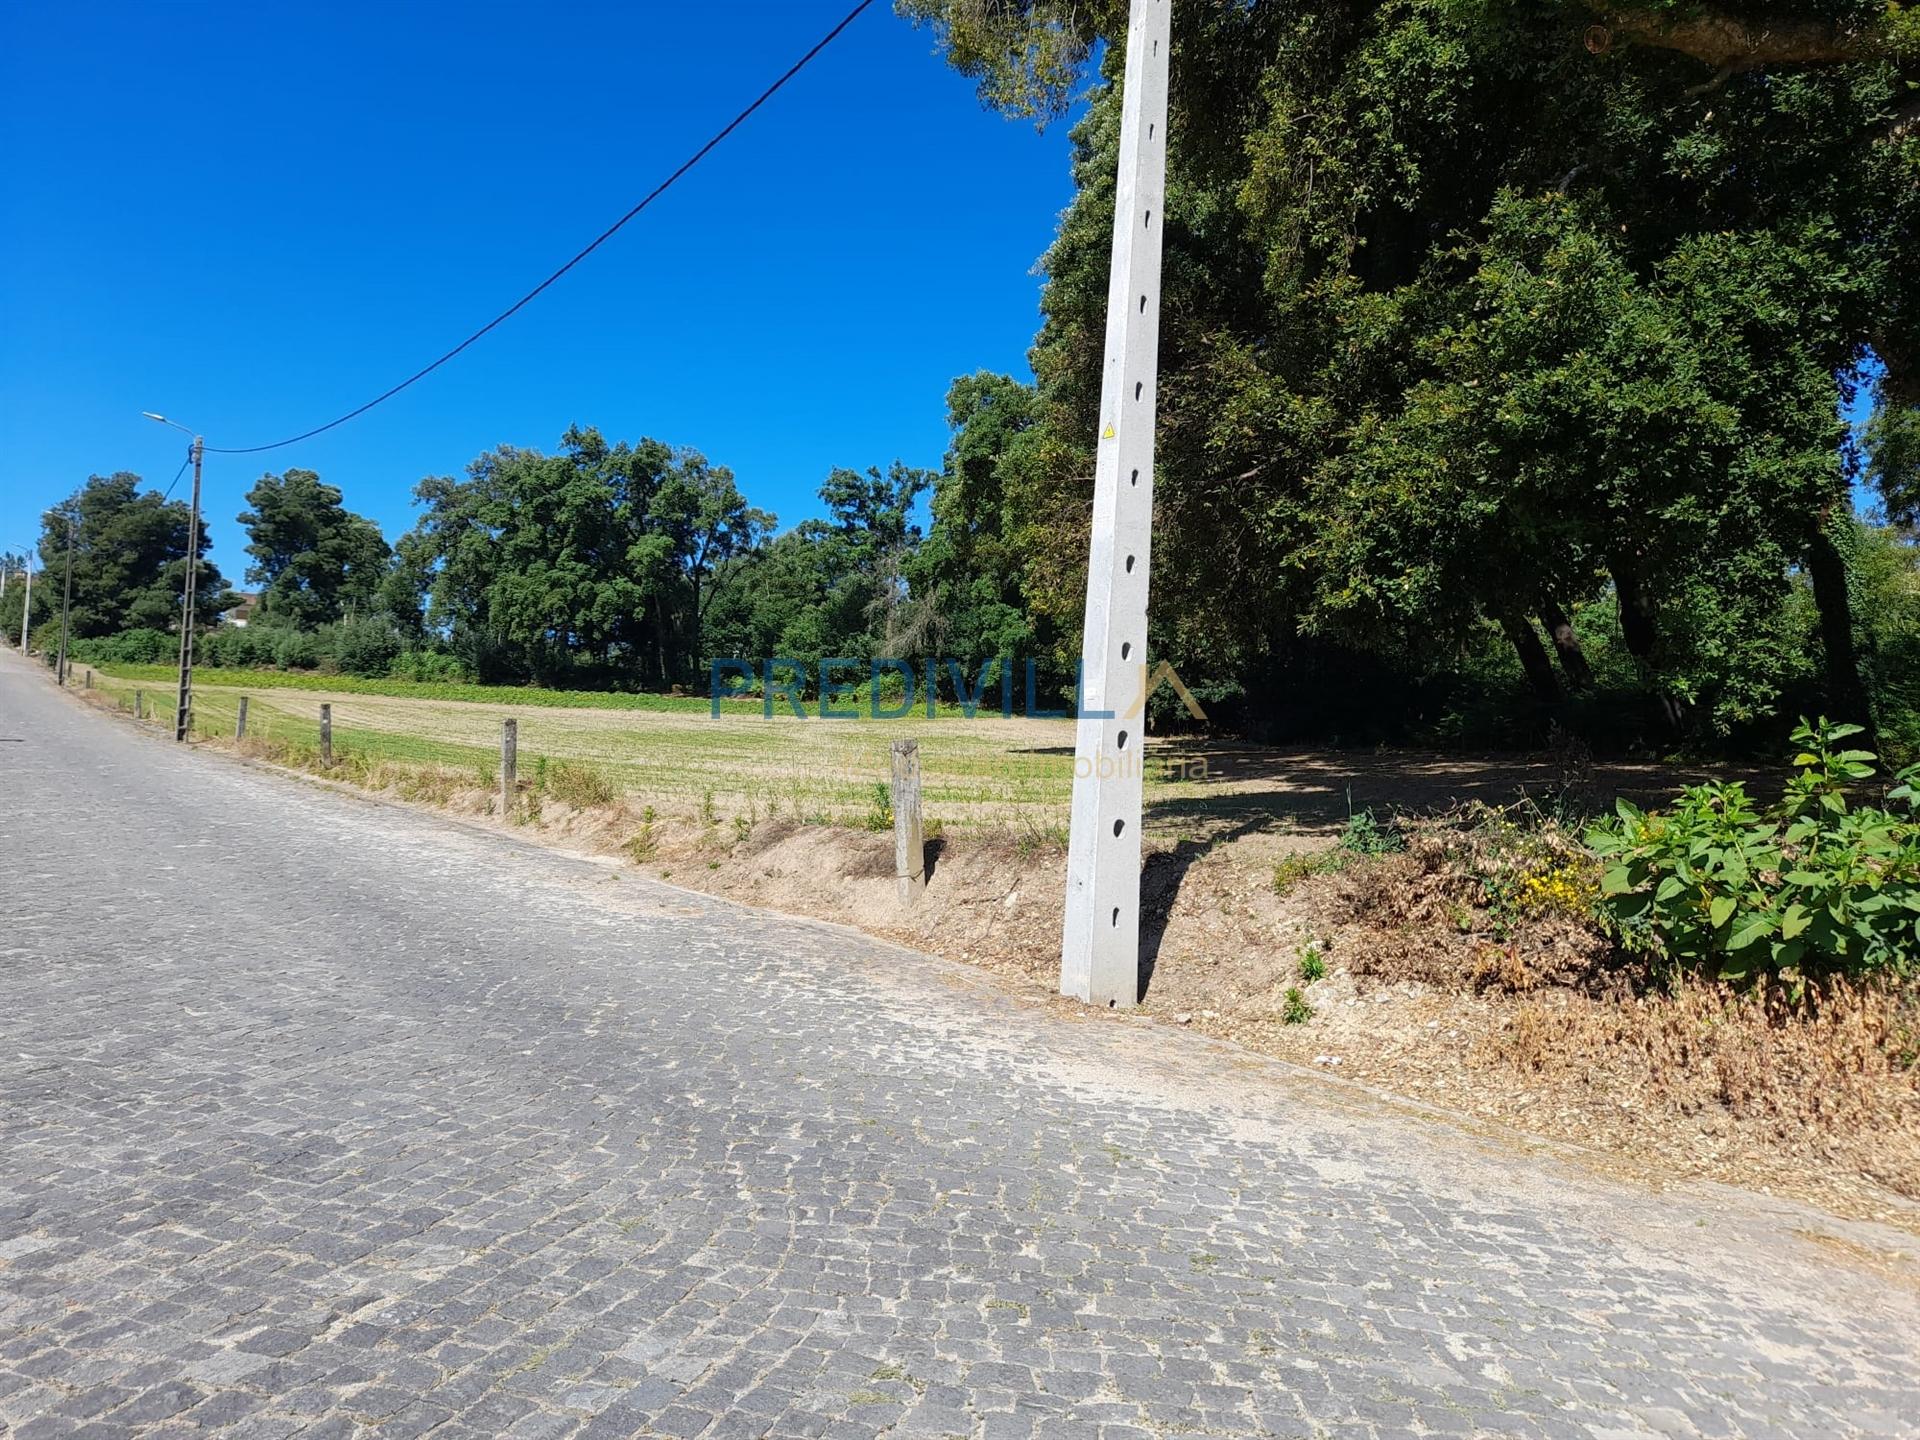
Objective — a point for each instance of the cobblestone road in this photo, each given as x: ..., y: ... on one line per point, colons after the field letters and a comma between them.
x: 324, y: 1118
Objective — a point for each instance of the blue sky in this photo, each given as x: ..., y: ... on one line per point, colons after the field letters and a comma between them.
x: 254, y: 217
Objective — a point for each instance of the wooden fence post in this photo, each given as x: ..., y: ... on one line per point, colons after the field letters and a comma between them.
x: 240, y: 723
x: 326, y: 737
x: 509, y: 764
x: 909, y: 849
x: 139, y: 704
x: 89, y: 684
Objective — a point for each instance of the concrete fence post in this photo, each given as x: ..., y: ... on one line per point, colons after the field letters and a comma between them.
x: 326, y: 737
x: 240, y: 721
x: 909, y: 848
x: 509, y: 764
x: 139, y: 704
x: 89, y: 681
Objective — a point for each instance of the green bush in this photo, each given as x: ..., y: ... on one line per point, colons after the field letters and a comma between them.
x: 365, y: 647
x: 1807, y: 888
x: 130, y: 647
x: 238, y: 646
x: 427, y: 667
x: 297, y: 650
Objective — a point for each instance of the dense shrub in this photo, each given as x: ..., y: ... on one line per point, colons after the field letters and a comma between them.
x: 238, y: 647
x: 428, y: 667
x: 1808, y: 888
x: 364, y: 647
x: 297, y: 650
x: 130, y: 647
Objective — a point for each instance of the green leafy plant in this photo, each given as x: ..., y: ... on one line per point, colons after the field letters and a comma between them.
x: 880, y: 807
x: 1365, y: 835
x: 1807, y: 888
x: 644, y: 843
x: 1312, y: 965
x: 1295, y: 1010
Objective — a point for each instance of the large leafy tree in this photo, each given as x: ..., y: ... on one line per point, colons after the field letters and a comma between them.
x: 129, y: 555
x: 316, y: 560
x: 597, y: 562
x: 1477, y: 310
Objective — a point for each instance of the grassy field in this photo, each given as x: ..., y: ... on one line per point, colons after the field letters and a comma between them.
x: 668, y: 752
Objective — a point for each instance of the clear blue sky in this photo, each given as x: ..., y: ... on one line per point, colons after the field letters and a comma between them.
x: 254, y: 217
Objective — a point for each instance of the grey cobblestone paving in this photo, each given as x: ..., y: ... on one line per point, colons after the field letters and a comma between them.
x: 321, y: 1118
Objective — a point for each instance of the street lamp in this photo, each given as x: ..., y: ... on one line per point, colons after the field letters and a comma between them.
x: 182, y: 710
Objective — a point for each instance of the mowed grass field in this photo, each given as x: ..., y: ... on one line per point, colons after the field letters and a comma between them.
x: 668, y: 752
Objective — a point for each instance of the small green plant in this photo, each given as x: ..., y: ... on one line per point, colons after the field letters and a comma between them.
x: 1365, y: 835
x: 644, y: 844
x: 742, y: 828
x: 1296, y: 1010
x: 1312, y: 965
x: 1807, y: 888
x: 880, y: 807
x: 707, y: 812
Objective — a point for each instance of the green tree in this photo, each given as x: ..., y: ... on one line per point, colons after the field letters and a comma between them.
x: 596, y: 565
x: 315, y: 560
x: 129, y: 560
x: 1478, y: 311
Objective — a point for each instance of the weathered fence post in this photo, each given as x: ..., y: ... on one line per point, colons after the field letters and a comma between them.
x: 240, y: 722
x: 89, y: 683
x: 326, y: 737
x: 909, y: 850
x: 509, y: 763
x: 139, y: 704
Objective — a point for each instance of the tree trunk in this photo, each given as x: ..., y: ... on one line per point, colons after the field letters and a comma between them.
x: 1566, y: 644
x: 1533, y: 657
x: 1636, y: 610
x: 1830, y: 568
x: 1642, y: 635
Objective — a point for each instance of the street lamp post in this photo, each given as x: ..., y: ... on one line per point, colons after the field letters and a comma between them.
x: 183, y: 709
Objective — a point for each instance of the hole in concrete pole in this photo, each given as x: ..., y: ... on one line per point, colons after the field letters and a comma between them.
x: 1121, y: 744
x: 1148, y: 222
x: 1126, y: 648
x: 1129, y: 564
x: 1116, y: 915
x: 1138, y: 386
x: 1136, y: 478
x: 1118, y: 827
x: 1143, y: 304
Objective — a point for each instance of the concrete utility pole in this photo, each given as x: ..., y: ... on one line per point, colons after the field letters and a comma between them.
x: 183, y: 709
x: 26, y: 608
x: 1100, y: 946
x: 66, y: 604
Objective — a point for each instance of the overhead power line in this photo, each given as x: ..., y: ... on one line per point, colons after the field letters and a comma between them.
x: 601, y: 239
x: 176, y: 478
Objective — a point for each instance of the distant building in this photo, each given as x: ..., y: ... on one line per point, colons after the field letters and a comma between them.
x: 240, y: 614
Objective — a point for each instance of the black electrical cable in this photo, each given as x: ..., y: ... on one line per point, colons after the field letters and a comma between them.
x: 601, y: 239
x: 176, y: 476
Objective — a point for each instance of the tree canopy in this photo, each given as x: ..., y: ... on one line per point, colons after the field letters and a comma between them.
x: 315, y: 560
x: 1479, y: 311
x: 129, y: 560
